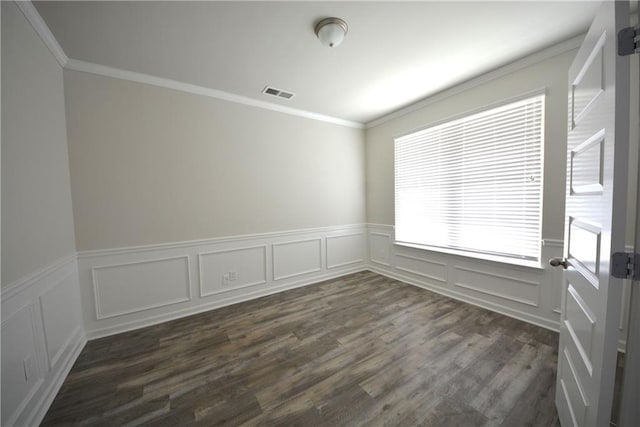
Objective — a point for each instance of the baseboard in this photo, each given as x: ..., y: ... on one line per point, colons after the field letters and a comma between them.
x: 42, y: 336
x: 526, y: 317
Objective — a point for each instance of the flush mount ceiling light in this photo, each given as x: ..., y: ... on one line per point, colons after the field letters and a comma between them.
x: 331, y: 31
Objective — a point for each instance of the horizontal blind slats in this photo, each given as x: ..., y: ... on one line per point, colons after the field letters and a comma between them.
x: 474, y: 183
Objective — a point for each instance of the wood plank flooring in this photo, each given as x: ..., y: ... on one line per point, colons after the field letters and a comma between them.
x: 359, y: 350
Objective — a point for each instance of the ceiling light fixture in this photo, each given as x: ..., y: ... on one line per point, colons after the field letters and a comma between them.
x: 331, y: 31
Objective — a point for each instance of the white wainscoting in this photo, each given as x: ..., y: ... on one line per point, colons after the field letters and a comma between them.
x: 251, y: 261
x: 147, y: 284
x: 345, y: 249
x: 296, y: 258
x: 529, y: 294
x: 128, y: 288
x: 42, y: 335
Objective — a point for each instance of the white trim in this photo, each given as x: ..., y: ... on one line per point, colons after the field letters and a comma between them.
x: 499, y: 294
x: 31, y: 14
x: 488, y: 305
x: 34, y: 18
x: 51, y: 370
x: 30, y: 308
x: 342, y: 264
x: 252, y: 268
x: 204, y: 294
x: 512, y: 67
x: 165, y: 317
x: 96, y: 292
x: 212, y: 241
x: 51, y: 391
x: 496, y: 294
x: 499, y: 259
x: 425, y: 275
x: 41, y: 28
x: 497, y: 276
x: 389, y: 240
x: 293, y: 242
x: 117, y: 73
x: 52, y: 360
x: 34, y: 277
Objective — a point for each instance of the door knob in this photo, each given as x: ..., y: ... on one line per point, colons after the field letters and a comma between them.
x: 557, y: 262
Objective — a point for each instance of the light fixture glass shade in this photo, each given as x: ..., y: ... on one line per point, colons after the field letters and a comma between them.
x: 331, y: 31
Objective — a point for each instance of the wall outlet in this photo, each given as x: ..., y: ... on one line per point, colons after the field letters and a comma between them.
x: 27, y: 364
x: 233, y: 276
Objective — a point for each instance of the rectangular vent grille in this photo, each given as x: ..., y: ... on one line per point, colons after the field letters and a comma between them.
x: 277, y: 92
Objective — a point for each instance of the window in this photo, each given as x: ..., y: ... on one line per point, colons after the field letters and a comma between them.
x: 474, y: 184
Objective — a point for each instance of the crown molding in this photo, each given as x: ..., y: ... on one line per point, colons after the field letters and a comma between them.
x: 36, y: 21
x: 31, y: 14
x: 534, y: 58
x: 29, y: 11
x: 117, y: 73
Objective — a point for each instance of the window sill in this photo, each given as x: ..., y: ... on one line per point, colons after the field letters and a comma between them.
x: 483, y: 257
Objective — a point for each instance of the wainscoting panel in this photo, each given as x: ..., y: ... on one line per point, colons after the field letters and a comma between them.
x: 219, y: 269
x: 429, y: 269
x: 527, y: 293
x: 344, y: 250
x: 128, y: 288
x: 42, y: 335
x: 21, y: 374
x: 135, y: 286
x: 380, y: 246
x: 61, y: 321
x: 509, y: 288
x: 295, y: 258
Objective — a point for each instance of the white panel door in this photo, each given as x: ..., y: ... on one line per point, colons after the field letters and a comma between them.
x: 595, y: 222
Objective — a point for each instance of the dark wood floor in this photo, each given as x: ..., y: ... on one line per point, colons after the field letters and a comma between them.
x: 359, y: 350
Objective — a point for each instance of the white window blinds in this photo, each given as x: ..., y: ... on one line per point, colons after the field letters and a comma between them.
x: 474, y: 184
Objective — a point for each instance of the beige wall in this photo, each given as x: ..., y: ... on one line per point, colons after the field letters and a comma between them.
x: 152, y: 165
x: 550, y: 74
x: 37, y: 221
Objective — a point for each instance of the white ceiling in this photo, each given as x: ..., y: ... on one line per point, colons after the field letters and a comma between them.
x: 395, y: 53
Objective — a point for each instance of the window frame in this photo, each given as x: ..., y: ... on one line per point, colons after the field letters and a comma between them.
x: 486, y: 256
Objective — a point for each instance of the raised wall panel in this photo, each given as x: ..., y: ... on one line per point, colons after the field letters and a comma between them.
x: 296, y: 258
x: 508, y: 288
x: 587, y: 168
x: 41, y: 322
x: 589, y: 83
x: 18, y: 343
x: 249, y: 265
x: 344, y: 250
x: 380, y: 248
x: 431, y: 270
x: 128, y: 288
x: 61, y: 317
x: 584, y: 246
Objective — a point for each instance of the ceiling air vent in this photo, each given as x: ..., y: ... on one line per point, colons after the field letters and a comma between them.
x: 277, y: 92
